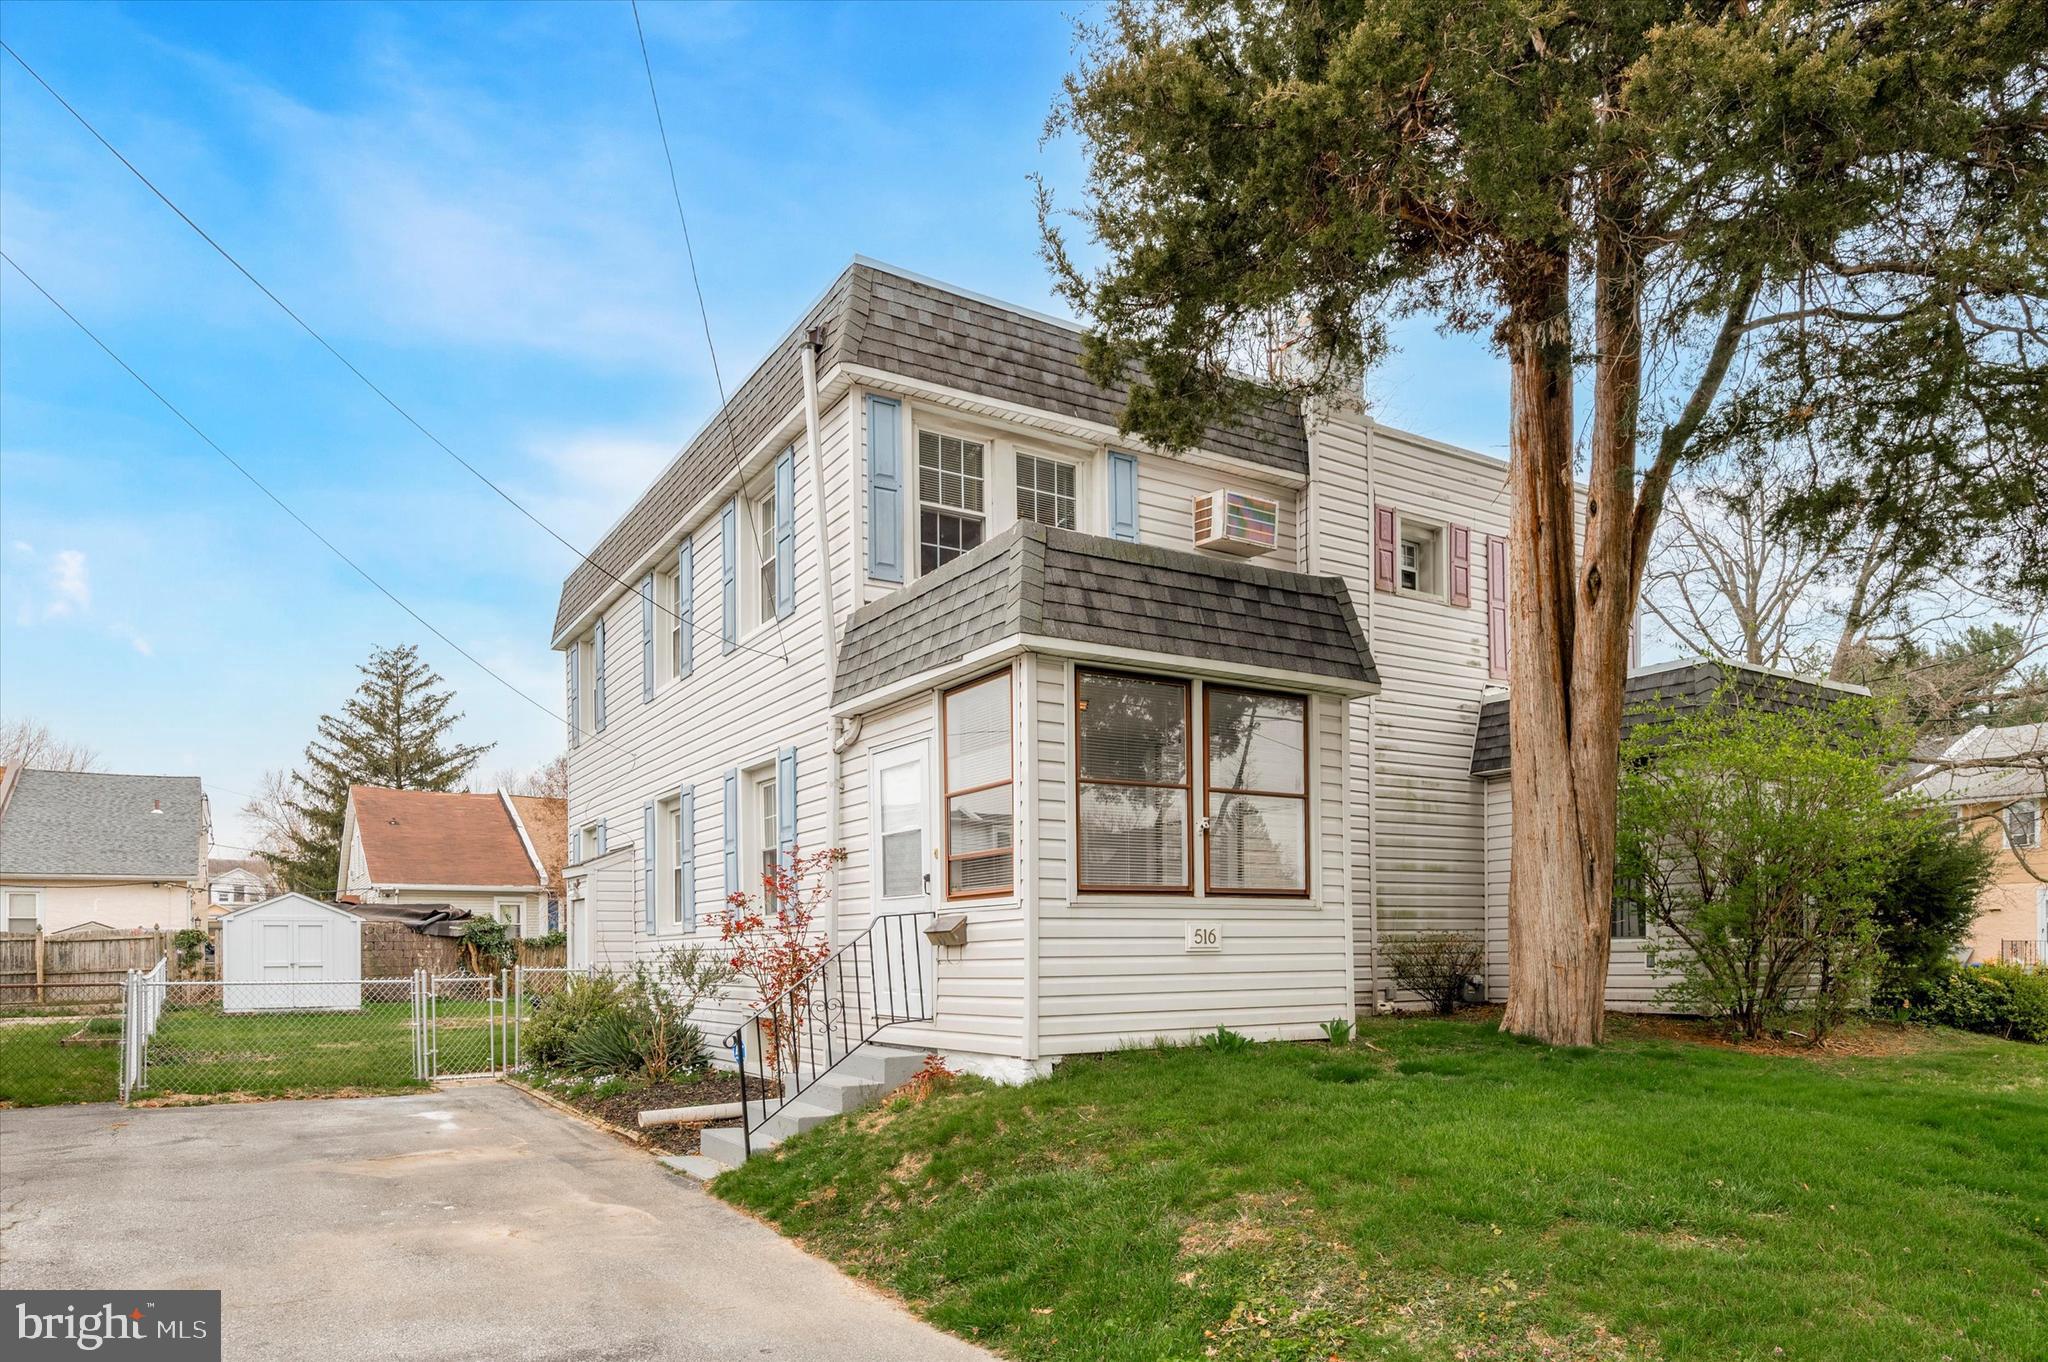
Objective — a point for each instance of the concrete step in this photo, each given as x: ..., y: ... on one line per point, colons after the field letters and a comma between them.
x: 888, y: 1065
x: 725, y: 1145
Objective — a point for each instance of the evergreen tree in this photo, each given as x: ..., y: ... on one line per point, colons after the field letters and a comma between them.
x: 1742, y: 224
x: 391, y: 732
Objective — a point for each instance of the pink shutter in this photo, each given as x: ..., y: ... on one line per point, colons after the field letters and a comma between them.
x: 1461, y: 565
x: 1496, y: 607
x: 1383, y: 548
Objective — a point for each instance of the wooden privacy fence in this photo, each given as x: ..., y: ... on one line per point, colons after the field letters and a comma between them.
x: 392, y: 949
x: 80, y: 967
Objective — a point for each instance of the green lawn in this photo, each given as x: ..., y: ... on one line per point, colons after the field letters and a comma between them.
x: 36, y: 1071
x: 1441, y: 1191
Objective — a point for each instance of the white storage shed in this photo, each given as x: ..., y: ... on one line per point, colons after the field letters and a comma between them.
x: 291, y: 953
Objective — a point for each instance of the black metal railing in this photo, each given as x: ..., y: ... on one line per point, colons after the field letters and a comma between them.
x: 877, y: 980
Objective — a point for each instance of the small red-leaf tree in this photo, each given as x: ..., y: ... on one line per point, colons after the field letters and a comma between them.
x: 772, y: 942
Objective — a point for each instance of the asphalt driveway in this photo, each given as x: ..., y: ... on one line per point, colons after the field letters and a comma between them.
x: 468, y: 1223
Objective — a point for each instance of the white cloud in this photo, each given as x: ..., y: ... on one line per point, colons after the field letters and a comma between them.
x: 70, y: 585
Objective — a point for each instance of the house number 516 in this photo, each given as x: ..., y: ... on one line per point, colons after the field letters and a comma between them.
x: 1204, y: 936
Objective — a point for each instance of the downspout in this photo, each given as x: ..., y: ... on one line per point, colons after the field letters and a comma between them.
x: 828, y: 607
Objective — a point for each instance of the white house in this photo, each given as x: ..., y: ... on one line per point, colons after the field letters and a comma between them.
x: 1180, y: 737
x: 234, y: 881
x: 124, y: 851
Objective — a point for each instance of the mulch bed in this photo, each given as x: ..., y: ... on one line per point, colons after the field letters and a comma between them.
x: 622, y: 1109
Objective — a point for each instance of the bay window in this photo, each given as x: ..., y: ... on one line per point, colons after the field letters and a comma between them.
x: 1257, y: 779
x: 1132, y: 777
x: 980, y: 814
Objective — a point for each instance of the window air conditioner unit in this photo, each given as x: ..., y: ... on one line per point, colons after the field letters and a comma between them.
x: 1237, y: 522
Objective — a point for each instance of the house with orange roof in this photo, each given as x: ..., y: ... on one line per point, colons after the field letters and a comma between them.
x: 494, y: 855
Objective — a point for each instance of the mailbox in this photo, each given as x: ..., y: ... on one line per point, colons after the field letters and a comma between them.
x: 947, y: 929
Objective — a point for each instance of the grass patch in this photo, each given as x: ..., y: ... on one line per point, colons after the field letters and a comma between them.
x: 37, y: 1070
x: 1443, y: 1191
x: 203, y: 1051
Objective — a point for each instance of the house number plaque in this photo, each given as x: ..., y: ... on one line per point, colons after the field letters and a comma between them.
x: 1204, y: 936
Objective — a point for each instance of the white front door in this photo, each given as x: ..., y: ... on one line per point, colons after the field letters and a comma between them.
x: 903, y: 843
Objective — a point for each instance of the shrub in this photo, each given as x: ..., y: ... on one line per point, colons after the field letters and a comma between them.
x: 545, y: 941
x: 608, y: 1043
x: 487, y: 945
x: 1436, y: 965
x: 1999, y: 1000
x: 1339, y: 1030
x: 1924, y: 911
x: 669, y: 990
x: 769, y: 939
x: 190, y: 944
x: 1760, y: 842
x: 548, y: 1035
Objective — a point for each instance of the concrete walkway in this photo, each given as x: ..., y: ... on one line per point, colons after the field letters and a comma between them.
x: 469, y: 1223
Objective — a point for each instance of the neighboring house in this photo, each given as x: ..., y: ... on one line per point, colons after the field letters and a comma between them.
x: 232, y: 882
x: 1179, y: 736
x: 1996, y: 779
x: 1651, y: 694
x: 79, y: 847
x: 472, y: 852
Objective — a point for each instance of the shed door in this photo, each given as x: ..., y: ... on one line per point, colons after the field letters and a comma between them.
x: 291, y: 950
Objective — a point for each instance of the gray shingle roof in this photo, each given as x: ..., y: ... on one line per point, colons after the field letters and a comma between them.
x: 1082, y: 588
x: 884, y: 320
x: 90, y: 823
x: 1659, y: 692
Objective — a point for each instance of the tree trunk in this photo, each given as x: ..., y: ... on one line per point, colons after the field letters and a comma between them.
x: 1569, y: 649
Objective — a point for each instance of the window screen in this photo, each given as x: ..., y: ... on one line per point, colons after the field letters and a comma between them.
x: 1132, y: 736
x: 980, y: 818
x: 1257, y: 782
x: 1045, y: 491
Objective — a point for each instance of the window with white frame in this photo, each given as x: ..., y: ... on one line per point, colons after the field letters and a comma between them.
x: 1133, y: 783
x: 24, y: 910
x: 2023, y: 825
x: 763, y: 511
x: 1045, y: 491
x: 1628, y: 915
x: 511, y: 912
x: 673, y: 901
x: 593, y: 842
x: 1421, y: 558
x: 671, y: 597
x: 1255, y: 771
x: 765, y: 819
x: 980, y: 813
x: 952, y: 497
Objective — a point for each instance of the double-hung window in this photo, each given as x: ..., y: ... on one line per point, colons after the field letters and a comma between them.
x: 2023, y: 825
x: 24, y: 910
x: 767, y: 821
x: 951, y: 497
x: 1045, y: 491
x: 1421, y: 559
x: 1133, y: 795
x: 764, y: 556
x: 1256, y: 774
x: 980, y: 814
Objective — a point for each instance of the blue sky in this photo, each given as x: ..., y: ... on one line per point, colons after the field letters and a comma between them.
x: 470, y: 202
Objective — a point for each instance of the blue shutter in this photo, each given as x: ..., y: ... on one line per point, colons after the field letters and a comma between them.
x: 576, y: 847
x: 597, y: 688
x: 785, y: 801
x: 732, y: 833
x: 885, y: 489
x: 785, y: 534
x: 575, y: 714
x: 1123, y: 497
x: 604, y: 837
x: 729, y: 546
x: 647, y: 639
x: 686, y: 602
x: 686, y: 854
x: 647, y: 859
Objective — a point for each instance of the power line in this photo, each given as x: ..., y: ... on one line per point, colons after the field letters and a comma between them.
x: 690, y: 253
x: 782, y: 655
x: 282, y: 505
